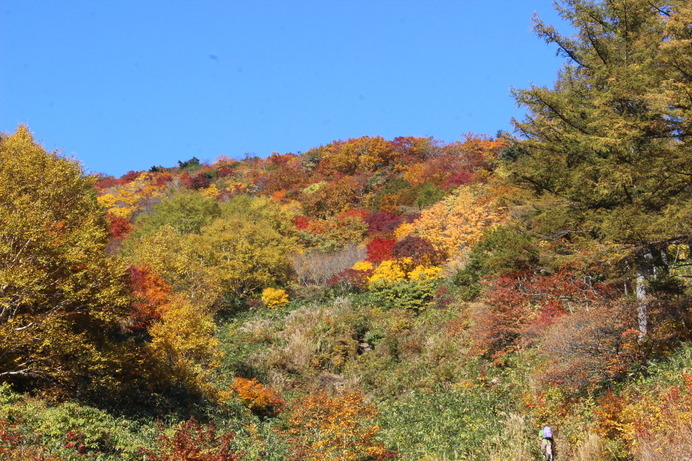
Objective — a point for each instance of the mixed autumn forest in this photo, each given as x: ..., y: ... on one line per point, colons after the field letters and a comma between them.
x: 373, y: 299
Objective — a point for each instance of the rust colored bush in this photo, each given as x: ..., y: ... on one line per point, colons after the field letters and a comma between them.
x: 259, y: 399
x: 193, y: 441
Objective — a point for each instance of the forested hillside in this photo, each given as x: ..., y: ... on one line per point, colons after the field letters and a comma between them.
x: 373, y: 299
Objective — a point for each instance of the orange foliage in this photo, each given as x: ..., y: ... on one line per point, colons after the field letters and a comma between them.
x: 439, y: 170
x: 358, y: 154
x: 259, y: 399
x: 343, y: 427
x: 151, y: 295
x: 337, y: 196
x: 477, y: 151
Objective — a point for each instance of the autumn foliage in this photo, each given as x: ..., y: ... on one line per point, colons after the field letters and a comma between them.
x: 260, y: 399
x: 340, y: 427
x: 521, y: 305
x: 193, y: 441
x: 151, y: 295
x: 470, y: 289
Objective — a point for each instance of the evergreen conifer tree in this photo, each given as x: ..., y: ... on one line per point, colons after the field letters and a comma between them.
x: 607, y: 149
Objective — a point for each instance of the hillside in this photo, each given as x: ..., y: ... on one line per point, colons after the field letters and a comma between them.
x: 372, y: 299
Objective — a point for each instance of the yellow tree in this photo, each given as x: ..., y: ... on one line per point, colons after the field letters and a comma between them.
x: 184, y: 347
x: 247, y: 255
x: 126, y: 200
x: 458, y: 221
x: 60, y: 297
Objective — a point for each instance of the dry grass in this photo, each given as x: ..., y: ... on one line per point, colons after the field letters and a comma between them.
x: 590, y: 449
x: 308, y: 336
x: 315, y: 267
x: 671, y: 443
x: 514, y: 441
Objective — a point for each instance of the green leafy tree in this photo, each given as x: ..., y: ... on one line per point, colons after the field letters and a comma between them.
x: 187, y: 212
x: 607, y: 153
x: 247, y: 255
x: 234, y: 256
x: 278, y: 216
x: 61, y: 298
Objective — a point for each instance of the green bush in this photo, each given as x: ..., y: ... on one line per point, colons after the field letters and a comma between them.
x: 405, y: 294
x: 70, y: 428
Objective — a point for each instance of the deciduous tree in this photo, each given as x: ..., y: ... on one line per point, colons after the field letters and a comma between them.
x: 61, y: 298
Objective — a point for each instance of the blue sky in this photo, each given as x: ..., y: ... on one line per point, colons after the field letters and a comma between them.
x: 129, y: 84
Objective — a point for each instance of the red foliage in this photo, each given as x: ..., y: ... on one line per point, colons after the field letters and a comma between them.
x: 118, y: 227
x: 10, y: 435
x: 74, y: 440
x: 130, y: 176
x: 351, y: 280
x: 16, y: 446
x: 195, y: 181
x: 419, y: 249
x: 162, y: 179
x: 457, y: 179
x: 301, y: 222
x: 106, y: 182
x: 382, y: 221
x: 194, y: 442
x: 380, y: 249
x: 498, y: 327
x: 280, y: 160
x: 224, y: 171
x: 520, y: 306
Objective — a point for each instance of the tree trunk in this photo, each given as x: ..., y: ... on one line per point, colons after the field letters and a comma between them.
x: 645, y: 270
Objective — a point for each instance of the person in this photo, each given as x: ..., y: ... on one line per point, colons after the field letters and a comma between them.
x: 546, y: 437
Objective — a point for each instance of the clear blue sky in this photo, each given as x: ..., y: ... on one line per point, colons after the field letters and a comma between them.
x: 128, y: 84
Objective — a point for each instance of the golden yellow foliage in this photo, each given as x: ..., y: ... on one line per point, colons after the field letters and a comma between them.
x: 394, y: 270
x: 422, y: 272
x: 274, y: 297
x: 60, y: 296
x: 184, y: 346
x: 362, y: 266
x: 211, y: 191
x: 459, y: 220
x: 404, y: 230
x: 391, y: 270
x: 129, y: 198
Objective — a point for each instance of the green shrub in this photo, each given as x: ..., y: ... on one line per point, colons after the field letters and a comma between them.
x: 443, y: 423
x: 404, y: 294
